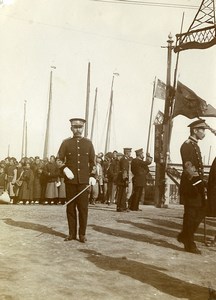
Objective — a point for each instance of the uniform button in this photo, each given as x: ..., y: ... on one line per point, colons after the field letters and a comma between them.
x: 78, y: 162
x: 78, y: 154
x: 77, y: 141
x: 78, y: 169
x: 78, y: 147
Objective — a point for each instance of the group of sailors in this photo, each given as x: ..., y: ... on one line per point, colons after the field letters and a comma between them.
x: 41, y: 181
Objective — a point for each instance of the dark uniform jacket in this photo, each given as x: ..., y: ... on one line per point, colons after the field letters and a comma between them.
x: 211, y: 191
x: 191, y: 194
x: 52, y: 172
x: 113, y: 170
x: 139, y: 169
x: 123, y: 174
x: 79, y: 156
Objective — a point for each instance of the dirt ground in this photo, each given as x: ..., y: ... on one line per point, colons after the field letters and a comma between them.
x: 131, y: 255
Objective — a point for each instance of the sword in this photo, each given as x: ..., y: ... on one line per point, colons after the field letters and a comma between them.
x: 69, y: 201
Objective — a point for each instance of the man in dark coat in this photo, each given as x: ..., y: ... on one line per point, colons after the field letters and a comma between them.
x: 192, y: 193
x: 139, y: 168
x: 211, y: 191
x: 112, y: 177
x: 78, y: 156
x: 123, y: 180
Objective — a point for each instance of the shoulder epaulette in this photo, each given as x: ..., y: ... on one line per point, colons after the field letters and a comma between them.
x: 66, y: 139
x: 187, y: 141
x: 85, y: 138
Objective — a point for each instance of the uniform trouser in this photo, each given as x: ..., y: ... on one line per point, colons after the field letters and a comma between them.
x: 80, y: 204
x: 136, y: 197
x: 193, y: 216
x: 129, y: 189
x: 112, y: 191
x: 105, y: 192
x: 121, y: 198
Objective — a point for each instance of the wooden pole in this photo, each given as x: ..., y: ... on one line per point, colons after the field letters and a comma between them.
x: 175, y: 74
x: 87, y: 102
x: 47, y: 134
x: 94, y: 114
x: 23, y: 134
x: 26, y: 143
x: 162, y: 202
x: 109, y: 118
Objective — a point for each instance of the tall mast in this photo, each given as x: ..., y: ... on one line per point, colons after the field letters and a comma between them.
x: 109, y: 118
x: 87, y: 101
x: 47, y: 134
x: 94, y: 114
x: 26, y: 142
x: 23, y: 134
x: 108, y: 133
x: 107, y: 144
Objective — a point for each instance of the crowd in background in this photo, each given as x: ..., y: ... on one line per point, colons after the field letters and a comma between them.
x: 33, y: 180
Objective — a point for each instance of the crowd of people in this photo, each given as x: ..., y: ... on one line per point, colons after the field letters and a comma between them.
x: 111, y: 178
x: 33, y: 180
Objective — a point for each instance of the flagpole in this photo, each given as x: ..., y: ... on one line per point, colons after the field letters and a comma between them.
x: 150, y: 120
x: 94, y: 114
x: 8, y: 152
x: 47, y: 134
x: 175, y: 72
x: 107, y: 142
x: 23, y: 134
x: 163, y: 193
x: 87, y: 102
x: 26, y: 140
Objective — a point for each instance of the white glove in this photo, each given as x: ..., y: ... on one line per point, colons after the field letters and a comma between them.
x: 68, y: 173
x: 92, y: 181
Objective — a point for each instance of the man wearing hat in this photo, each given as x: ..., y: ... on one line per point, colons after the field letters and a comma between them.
x: 78, y: 156
x: 192, y: 193
x: 123, y: 180
x: 139, y: 168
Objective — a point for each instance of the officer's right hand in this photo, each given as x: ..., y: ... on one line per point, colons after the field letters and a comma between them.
x: 92, y: 181
x: 68, y: 173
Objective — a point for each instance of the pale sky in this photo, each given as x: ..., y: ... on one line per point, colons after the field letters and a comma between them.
x: 113, y: 37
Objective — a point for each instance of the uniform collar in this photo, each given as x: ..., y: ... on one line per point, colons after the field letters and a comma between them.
x: 193, y: 139
x: 77, y: 137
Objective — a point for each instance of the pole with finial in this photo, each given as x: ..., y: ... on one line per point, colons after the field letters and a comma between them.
x: 108, y: 133
x: 162, y: 196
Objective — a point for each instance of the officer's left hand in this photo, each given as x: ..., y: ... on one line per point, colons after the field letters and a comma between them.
x: 92, y: 181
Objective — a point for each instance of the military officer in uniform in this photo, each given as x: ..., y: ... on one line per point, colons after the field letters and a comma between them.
x: 78, y: 156
x: 139, y: 168
x: 123, y: 180
x: 192, y: 186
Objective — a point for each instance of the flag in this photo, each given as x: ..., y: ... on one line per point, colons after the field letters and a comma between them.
x: 188, y: 104
x: 160, y: 91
